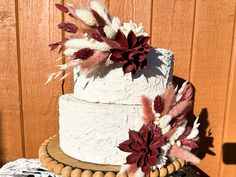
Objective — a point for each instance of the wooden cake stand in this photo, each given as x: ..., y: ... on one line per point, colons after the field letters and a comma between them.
x: 54, y: 159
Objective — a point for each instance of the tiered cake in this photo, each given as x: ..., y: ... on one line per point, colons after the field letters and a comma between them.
x: 96, y: 118
x: 124, y: 109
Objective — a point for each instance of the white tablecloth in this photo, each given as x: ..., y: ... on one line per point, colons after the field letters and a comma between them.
x: 25, y: 168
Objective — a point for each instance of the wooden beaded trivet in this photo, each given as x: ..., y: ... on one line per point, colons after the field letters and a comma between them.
x: 54, y: 159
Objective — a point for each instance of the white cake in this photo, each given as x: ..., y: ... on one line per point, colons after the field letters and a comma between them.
x: 96, y: 118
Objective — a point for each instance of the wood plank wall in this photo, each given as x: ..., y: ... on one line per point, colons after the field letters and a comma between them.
x: 200, y: 32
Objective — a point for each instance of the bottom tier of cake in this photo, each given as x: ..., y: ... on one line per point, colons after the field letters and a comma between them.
x: 91, y: 132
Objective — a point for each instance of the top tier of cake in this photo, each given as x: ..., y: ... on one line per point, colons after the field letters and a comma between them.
x: 115, y: 87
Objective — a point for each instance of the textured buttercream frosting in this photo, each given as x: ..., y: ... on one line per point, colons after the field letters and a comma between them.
x: 97, y: 117
x: 115, y: 87
x: 92, y: 131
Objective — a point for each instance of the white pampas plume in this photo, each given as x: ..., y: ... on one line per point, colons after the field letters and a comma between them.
x: 69, y: 52
x: 139, y: 173
x: 67, y: 74
x: 87, y: 17
x: 164, y: 121
x: 179, y: 131
x: 194, y: 132
x: 180, y: 92
x: 166, y: 129
x: 96, y: 6
x: 110, y: 32
x: 80, y: 43
x: 162, y: 159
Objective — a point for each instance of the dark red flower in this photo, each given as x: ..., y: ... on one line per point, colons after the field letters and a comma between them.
x: 84, y: 53
x: 144, y: 147
x: 158, y: 104
x: 68, y: 27
x: 132, y: 53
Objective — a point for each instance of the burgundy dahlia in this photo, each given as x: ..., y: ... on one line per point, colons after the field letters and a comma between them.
x: 132, y: 53
x: 144, y: 147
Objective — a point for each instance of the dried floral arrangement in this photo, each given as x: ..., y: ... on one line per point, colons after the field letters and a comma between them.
x: 105, y: 41
x: 165, y: 134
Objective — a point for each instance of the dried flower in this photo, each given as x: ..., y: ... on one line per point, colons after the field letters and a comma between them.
x: 86, y: 17
x: 144, y: 147
x: 132, y: 53
x: 83, y: 53
x: 68, y: 27
x: 62, y: 8
x: 158, y: 105
x: 57, y: 44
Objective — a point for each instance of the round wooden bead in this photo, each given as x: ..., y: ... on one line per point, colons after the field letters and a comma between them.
x: 87, y: 173
x: 66, y: 172
x: 154, y: 173
x: 41, y: 158
x: 76, y: 173
x: 110, y: 174
x: 46, y: 161
x: 170, y: 168
x: 58, y: 169
x: 182, y: 162
x: 177, y: 165
x: 98, y: 174
x: 163, y: 172
x: 51, y: 165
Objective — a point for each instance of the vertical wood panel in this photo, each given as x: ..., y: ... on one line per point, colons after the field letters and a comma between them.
x: 214, y: 21
x: 139, y: 11
x: 38, y: 21
x: 230, y: 121
x: 172, y: 28
x: 10, y: 104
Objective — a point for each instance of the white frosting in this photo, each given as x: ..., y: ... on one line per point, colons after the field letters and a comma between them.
x: 92, y: 131
x: 115, y: 87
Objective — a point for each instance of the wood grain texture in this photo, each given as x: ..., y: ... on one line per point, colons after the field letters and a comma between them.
x: 38, y: 21
x: 10, y: 103
x: 229, y: 135
x: 210, y: 68
x: 139, y: 11
x: 172, y: 28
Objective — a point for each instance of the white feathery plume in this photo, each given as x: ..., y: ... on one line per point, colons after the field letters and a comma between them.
x: 97, y: 6
x: 139, y: 173
x: 59, y: 58
x: 50, y: 77
x: 69, y: 52
x: 86, y: 16
x: 58, y: 74
x: 63, y: 77
x: 109, y: 31
x: 162, y: 159
x: 179, y: 131
x: 180, y: 92
x: 164, y: 121
x: 80, y: 43
x: 194, y: 132
x: 166, y: 129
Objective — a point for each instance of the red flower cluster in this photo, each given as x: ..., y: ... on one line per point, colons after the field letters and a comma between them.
x: 144, y: 147
x: 132, y: 53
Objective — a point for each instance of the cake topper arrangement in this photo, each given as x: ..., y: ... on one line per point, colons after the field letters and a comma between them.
x: 165, y: 134
x: 105, y: 41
